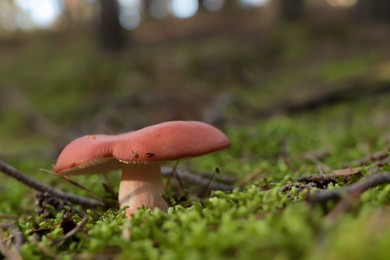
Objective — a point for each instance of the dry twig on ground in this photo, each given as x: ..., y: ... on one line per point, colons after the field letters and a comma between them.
x: 10, y: 249
x: 358, y: 188
x: 14, y: 173
x: 72, y: 232
x: 185, y: 175
x: 355, y: 91
x: 374, y: 157
x: 16, y: 100
x: 322, y: 180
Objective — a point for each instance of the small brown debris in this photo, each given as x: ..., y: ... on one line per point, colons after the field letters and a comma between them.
x: 346, y: 171
x: 297, y: 185
x: 135, y: 154
x: 150, y: 154
x: 355, y: 189
x: 320, y: 180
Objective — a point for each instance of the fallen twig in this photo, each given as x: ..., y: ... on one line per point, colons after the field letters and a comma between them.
x: 73, y: 232
x: 8, y: 216
x: 355, y: 91
x: 250, y: 178
x: 322, y: 180
x: 15, y: 232
x: 72, y: 182
x: 14, y: 173
x: 18, y: 101
x: 316, y: 157
x: 10, y: 250
x: 343, y: 205
x: 206, y: 188
x: 296, y: 185
x: 184, y: 175
x: 356, y: 189
x: 177, y: 177
x: 216, y: 111
x: 374, y: 157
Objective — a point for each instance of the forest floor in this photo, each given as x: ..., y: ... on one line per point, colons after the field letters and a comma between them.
x: 298, y: 102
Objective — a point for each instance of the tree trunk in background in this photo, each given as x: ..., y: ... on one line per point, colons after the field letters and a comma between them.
x: 146, y: 8
x: 200, y: 4
x: 376, y: 10
x: 111, y: 33
x: 292, y: 10
x: 232, y: 6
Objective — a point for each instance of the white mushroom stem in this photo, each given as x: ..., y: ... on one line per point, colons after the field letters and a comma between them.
x: 141, y: 185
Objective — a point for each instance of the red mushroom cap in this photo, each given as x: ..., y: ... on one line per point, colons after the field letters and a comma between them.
x: 157, y: 143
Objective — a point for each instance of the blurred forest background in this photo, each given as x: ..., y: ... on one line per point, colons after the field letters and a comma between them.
x: 73, y: 67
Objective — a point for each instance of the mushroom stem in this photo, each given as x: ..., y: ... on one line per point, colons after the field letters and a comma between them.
x: 141, y: 185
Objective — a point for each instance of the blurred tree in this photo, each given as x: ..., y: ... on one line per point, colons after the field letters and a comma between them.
x: 292, y: 10
x: 73, y: 13
x: 111, y: 33
x: 377, y: 10
x: 232, y: 6
x: 147, y: 6
x: 200, y: 5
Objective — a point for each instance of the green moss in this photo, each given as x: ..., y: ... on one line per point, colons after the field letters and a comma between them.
x: 344, y: 69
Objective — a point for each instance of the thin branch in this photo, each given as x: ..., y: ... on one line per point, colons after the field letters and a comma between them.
x: 355, y: 189
x: 217, y: 110
x: 18, y: 101
x: 177, y: 177
x: 322, y: 180
x: 73, y: 232
x: 374, y: 157
x: 82, y: 187
x: 184, y: 175
x: 251, y: 177
x: 202, y: 194
x: 316, y: 157
x: 343, y: 205
x: 14, y: 173
x: 10, y: 250
x: 355, y: 91
x: 72, y: 182
x: 15, y: 232
x: 8, y: 216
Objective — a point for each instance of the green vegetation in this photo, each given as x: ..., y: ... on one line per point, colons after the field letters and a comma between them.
x: 64, y: 94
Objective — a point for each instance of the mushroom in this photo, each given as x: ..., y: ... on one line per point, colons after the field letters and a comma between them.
x: 139, y: 154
